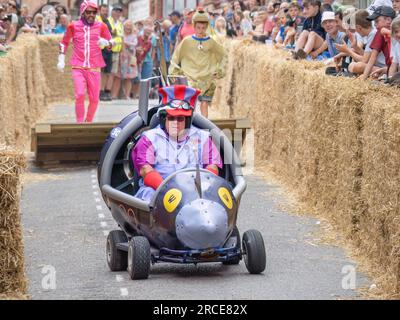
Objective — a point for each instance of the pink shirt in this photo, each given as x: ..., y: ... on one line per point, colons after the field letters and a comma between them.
x: 86, y: 52
x: 186, y: 30
x: 268, y: 26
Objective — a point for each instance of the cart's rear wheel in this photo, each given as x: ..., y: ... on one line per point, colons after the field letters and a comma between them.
x: 139, y: 258
x: 254, y: 251
x: 236, y: 260
x: 116, y: 259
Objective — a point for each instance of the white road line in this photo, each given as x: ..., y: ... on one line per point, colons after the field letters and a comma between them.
x: 101, y: 216
x: 124, y: 292
x: 94, y: 186
x: 119, y: 278
x: 103, y: 224
x: 99, y: 208
x: 97, y: 199
x: 106, y: 232
x: 95, y: 193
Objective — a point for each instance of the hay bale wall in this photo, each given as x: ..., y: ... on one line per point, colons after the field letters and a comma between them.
x: 60, y: 85
x: 12, y: 277
x: 334, y: 141
x: 29, y: 81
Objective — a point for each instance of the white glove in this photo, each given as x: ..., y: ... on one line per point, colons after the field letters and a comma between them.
x: 103, y: 43
x: 61, y: 62
x: 112, y: 42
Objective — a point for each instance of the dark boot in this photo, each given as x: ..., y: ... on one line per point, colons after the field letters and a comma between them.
x: 107, y: 95
x: 301, y: 54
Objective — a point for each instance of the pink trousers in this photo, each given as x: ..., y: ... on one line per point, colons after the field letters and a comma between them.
x: 86, y: 80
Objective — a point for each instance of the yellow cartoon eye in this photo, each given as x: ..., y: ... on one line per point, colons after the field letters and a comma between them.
x: 172, y: 199
x: 225, y: 196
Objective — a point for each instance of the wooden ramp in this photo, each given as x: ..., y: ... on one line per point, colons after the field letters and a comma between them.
x: 55, y: 143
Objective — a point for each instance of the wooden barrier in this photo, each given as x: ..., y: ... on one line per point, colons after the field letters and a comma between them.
x: 71, y: 142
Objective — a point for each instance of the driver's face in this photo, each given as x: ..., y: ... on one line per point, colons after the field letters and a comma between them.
x: 175, y: 126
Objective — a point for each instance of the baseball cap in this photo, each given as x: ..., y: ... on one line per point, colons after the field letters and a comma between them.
x: 382, y: 11
x: 117, y: 7
x: 175, y: 13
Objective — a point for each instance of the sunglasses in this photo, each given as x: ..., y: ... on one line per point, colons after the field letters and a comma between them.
x: 179, y: 104
x: 177, y: 118
x: 88, y: 12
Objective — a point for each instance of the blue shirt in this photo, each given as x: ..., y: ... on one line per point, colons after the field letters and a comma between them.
x: 331, y: 43
x: 173, y: 31
x: 314, y: 24
x: 60, y: 29
x: 167, y: 51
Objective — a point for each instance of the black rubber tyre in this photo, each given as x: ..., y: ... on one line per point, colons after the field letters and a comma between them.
x: 117, y: 260
x: 254, y: 251
x: 139, y: 258
x: 236, y: 260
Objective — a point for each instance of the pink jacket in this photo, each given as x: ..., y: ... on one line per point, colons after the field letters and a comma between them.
x: 86, y: 52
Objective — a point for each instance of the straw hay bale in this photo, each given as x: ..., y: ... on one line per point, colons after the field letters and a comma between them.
x: 380, y: 185
x: 334, y: 141
x: 12, y: 277
x: 21, y: 98
x: 30, y: 80
x: 60, y: 84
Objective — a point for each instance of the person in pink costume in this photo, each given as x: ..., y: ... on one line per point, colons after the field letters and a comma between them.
x: 88, y: 37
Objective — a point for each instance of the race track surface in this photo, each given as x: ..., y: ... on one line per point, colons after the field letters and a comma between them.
x: 66, y: 222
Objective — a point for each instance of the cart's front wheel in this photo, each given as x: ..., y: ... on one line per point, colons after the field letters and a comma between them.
x: 139, y: 258
x: 116, y: 259
x: 254, y: 251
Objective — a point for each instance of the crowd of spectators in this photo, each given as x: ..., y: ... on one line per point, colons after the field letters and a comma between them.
x: 16, y: 19
x: 353, y: 42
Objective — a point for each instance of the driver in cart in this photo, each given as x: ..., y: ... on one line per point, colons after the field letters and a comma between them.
x: 174, y: 144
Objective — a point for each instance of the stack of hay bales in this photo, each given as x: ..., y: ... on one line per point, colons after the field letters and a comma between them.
x: 12, y: 278
x: 30, y: 80
x: 22, y: 91
x: 380, y: 192
x: 335, y: 141
x: 61, y: 86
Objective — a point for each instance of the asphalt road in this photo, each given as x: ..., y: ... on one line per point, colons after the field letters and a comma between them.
x: 66, y: 222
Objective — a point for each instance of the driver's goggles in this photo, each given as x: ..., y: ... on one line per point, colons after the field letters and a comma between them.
x: 179, y: 104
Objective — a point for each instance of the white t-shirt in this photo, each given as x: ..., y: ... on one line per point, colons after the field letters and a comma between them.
x: 367, y: 40
x: 395, y: 51
x: 14, y: 18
